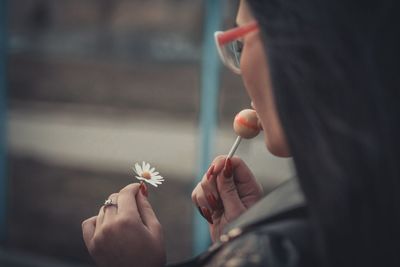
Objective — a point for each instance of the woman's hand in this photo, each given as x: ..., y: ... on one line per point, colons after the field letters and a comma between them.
x: 126, y: 233
x: 225, y: 192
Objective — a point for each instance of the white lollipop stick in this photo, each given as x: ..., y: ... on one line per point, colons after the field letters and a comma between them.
x: 234, y: 147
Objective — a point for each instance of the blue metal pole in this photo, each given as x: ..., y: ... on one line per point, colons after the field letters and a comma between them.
x: 208, y: 111
x: 3, y: 117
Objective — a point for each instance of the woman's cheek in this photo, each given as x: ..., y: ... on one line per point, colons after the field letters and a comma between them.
x: 255, y: 75
x: 250, y: 75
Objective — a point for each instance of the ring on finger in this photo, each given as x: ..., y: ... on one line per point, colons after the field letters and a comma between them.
x: 109, y: 202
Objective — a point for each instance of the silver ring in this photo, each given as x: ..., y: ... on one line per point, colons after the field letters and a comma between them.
x: 108, y: 202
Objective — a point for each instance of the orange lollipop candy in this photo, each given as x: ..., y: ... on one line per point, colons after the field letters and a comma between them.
x: 246, y: 124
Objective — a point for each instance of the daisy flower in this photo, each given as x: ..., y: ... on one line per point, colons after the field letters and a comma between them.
x: 148, y: 174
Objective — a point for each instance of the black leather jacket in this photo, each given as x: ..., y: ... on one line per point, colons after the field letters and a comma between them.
x: 275, y: 233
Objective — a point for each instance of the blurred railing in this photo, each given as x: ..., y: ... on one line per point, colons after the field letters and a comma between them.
x: 3, y: 116
x: 210, y: 80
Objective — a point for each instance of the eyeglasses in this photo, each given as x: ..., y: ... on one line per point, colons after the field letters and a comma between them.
x: 230, y: 47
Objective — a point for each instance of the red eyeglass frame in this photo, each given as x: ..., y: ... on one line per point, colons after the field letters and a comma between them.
x: 223, y: 38
x: 235, y: 33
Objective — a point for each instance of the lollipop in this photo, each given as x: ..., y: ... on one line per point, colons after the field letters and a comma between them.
x: 246, y: 125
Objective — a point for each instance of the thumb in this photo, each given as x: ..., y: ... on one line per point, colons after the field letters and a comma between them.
x: 228, y: 192
x: 146, y: 211
x: 88, y: 227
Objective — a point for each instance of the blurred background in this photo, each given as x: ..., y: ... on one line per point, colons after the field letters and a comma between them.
x: 94, y: 86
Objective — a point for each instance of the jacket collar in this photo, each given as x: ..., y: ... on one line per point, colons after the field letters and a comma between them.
x: 283, y: 199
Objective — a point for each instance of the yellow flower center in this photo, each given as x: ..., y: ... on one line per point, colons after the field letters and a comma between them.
x: 146, y: 175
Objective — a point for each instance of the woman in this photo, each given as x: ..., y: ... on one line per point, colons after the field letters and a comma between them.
x: 321, y: 75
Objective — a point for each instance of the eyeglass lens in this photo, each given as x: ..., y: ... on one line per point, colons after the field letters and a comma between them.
x: 235, y: 52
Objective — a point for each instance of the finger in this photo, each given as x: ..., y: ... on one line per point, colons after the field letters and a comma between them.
x: 127, y: 200
x: 249, y: 189
x: 237, y: 163
x: 100, y: 216
x: 233, y: 206
x: 88, y: 229
x: 215, y: 167
x: 209, y: 188
x: 208, y: 183
x: 194, y: 199
x: 242, y: 173
x: 198, y: 197
x: 111, y: 210
x: 194, y: 193
x: 199, y: 207
x: 202, y: 200
x: 218, y: 163
x: 202, y: 206
x: 146, y: 212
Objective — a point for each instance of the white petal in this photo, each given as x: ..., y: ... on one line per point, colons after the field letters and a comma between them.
x: 157, y: 177
x: 138, y: 169
x: 152, y: 183
x: 152, y: 170
x: 147, y: 167
x: 144, y: 166
x: 141, y: 178
x: 155, y: 173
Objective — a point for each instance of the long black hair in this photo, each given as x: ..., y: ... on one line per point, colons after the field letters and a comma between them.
x: 334, y: 71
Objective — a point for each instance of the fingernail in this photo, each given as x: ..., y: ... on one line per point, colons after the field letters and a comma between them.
x: 143, y: 189
x: 207, y: 214
x: 212, y: 201
x: 228, y: 168
x: 210, y: 171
